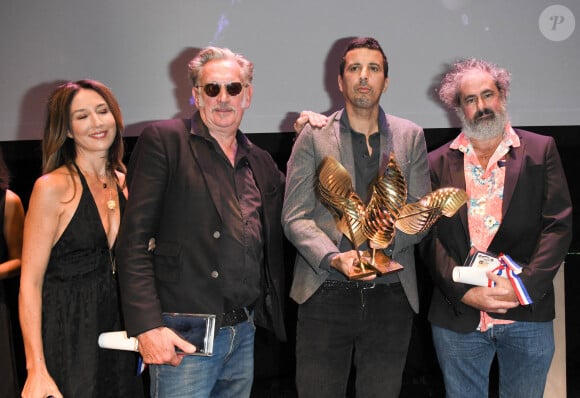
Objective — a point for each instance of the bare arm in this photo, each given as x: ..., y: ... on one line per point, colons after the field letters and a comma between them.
x: 40, y: 230
x: 13, y: 227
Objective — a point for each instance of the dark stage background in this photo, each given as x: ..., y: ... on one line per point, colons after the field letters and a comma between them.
x: 275, y: 361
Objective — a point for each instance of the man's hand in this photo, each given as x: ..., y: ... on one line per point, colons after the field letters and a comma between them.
x: 346, y: 263
x: 316, y: 120
x: 157, y: 346
x: 496, y: 299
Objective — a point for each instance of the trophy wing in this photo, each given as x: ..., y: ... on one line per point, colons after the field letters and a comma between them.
x: 389, y: 193
x: 448, y: 200
x: 351, y: 223
x: 418, y: 217
x: 391, y: 188
x: 379, y: 223
x: 334, y: 186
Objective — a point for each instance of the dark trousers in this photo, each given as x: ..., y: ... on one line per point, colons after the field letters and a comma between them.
x: 352, y: 323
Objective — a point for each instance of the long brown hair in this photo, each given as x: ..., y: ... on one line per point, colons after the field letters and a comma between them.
x: 57, y: 148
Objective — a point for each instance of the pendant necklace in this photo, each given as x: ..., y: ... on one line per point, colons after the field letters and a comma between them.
x: 111, y: 204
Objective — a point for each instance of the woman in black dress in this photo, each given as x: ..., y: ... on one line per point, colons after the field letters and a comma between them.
x: 68, y: 293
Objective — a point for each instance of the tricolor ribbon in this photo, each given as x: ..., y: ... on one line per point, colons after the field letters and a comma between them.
x: 512, y: 270
x: 141, y: 365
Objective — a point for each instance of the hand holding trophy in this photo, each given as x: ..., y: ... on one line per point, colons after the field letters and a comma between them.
x: 386, y: 211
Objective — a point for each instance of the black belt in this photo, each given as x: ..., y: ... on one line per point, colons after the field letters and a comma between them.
x: 235, y: 316
x: 332, y: 284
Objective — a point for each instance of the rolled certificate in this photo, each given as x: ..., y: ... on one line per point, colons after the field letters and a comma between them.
x: 118, y: 341
x: 470, y: 275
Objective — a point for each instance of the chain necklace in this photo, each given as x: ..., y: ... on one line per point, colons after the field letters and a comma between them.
x: 111, y: 203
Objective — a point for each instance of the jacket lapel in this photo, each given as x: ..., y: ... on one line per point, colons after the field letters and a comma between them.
x: 344, y: 140
x: 204, y: 162
x: 457, y: 180
x: 513, y: 166
x: 386, y: 142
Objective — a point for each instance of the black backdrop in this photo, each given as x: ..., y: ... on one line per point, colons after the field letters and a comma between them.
x: 275, y: 361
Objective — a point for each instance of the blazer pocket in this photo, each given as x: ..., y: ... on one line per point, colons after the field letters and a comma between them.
x: 166, y: 261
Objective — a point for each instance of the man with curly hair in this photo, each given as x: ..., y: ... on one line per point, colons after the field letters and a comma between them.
x: 519, y: 210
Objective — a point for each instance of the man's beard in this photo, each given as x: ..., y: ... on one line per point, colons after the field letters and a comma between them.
x: 363, y: 102
x: 486, y: 128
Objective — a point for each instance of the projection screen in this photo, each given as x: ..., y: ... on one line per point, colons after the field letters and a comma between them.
x: 140, y: 48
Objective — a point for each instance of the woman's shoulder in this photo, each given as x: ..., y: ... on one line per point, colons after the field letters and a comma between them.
x: 12, y: 196
x: 12, y: 199
x: 55, y: 185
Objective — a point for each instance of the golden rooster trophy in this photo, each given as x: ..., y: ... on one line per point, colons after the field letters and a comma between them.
x: 386, y: 211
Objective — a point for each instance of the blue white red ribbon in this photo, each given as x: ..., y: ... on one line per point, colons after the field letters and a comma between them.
x: 512, y: 271
x: 141, y: 365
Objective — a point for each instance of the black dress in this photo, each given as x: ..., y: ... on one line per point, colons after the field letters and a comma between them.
x: 8, y: 373
x: 79, y: 301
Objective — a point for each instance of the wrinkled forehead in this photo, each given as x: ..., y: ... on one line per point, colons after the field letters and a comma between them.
x: 221, y: 71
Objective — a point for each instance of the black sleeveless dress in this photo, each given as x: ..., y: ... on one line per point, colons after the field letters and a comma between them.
x: 9, y: 385
x: 79, y: 301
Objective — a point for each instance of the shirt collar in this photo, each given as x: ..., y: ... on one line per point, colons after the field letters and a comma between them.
x: 382, y: 122
x: 198, y: 128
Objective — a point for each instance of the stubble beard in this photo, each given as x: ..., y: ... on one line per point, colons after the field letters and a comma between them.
x: 363, y: 102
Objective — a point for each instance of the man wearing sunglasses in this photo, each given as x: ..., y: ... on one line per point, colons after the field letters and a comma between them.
x: 201, y: 234
x: 343, y: 321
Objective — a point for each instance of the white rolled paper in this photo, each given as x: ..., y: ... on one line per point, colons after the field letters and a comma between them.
x: 118, y: 341
x: 470, y: 275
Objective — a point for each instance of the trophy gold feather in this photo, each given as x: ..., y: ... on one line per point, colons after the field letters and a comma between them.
x: 418, y: 217
x: 386, y: 211
x: 336, y: 192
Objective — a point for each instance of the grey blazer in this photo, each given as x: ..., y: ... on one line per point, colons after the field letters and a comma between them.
x: 309, y: 225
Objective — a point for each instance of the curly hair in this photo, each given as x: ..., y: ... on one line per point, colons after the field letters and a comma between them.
x: 449, y: 89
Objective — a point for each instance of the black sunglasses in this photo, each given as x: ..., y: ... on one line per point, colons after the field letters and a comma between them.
x: 213, y: 89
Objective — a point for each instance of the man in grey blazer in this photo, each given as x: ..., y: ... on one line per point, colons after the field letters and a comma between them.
x: 342, y: 321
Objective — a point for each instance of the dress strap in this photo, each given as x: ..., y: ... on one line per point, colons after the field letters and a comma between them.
x: 84, y: 183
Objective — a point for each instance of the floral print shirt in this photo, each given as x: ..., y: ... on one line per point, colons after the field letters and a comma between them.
x: 484, y: 188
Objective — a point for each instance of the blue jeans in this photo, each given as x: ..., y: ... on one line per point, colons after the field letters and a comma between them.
x: 524, y: 353
x: 228, y: 373
x: 367, y: 327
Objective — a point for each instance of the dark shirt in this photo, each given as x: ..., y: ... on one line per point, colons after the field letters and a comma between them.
x: 241, y: 243
x: 366, y: 171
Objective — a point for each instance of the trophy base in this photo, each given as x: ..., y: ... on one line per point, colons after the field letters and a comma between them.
x: 381, y: 264
x: 361, y: 271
